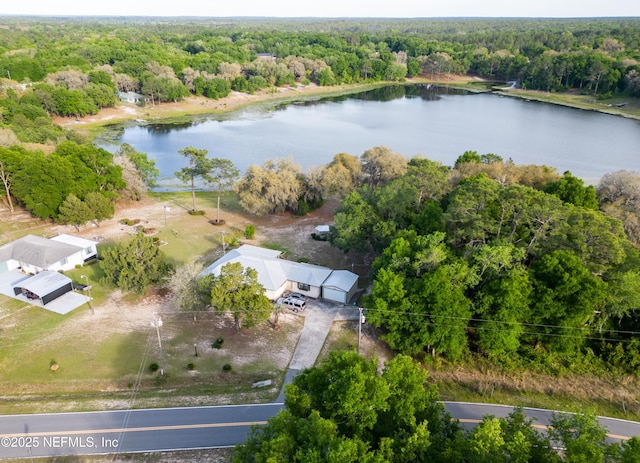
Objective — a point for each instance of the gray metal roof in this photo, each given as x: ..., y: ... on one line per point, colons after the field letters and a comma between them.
x: 44, y: 282
x: 342, y: 280
x: 74, y: 240
x: 272, y: 271
x: 37, y: 251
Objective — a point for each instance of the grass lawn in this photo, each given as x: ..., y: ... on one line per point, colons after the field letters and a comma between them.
x: 103, y: 352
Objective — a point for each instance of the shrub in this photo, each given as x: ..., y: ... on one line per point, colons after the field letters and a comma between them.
x: 154, y: 367
x: 191, y: 366
x: 196, y: 212
x: 227, y: 367
x: 217, y: 344
x: 250, y: 231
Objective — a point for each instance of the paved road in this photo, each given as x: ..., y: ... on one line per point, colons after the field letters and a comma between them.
x: 23, y: 436
x: 470, y: 414
x: 129, y: 431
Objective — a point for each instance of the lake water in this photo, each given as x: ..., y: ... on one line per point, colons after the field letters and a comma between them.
x: 436, y: 123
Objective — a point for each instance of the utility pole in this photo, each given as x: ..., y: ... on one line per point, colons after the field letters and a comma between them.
x: 223, y: 245
x: 157, y: 323
x: 360, y: 320
x: 88, y: 288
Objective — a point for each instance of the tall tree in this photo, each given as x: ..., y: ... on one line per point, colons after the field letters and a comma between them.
x: 236, y: 290
x: 580, y: 435
x: 345, y: 410
x: 197, y: 168
x: 380, y: 165
x: 75, y: 212
x: 342, y: 175
x: 9, y: 163
x: 146, y: 167
x: 222, y: 175
x: 187, y: 292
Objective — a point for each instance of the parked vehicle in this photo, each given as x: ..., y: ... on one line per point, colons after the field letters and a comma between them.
x: 300, y: 296
x: 293, y: 304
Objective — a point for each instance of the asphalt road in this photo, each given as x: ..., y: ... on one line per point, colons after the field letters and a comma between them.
x: 129, y: 431
x: 149, y: 430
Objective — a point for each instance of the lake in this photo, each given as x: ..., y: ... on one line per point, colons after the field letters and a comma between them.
x: 436, y: 123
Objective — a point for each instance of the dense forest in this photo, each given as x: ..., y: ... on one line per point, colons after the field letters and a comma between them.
x: 510, y: 262
x: 73, y: 67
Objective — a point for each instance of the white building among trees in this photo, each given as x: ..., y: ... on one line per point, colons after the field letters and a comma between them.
x: 279, y: 275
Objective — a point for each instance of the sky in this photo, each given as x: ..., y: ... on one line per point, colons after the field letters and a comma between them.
x: 327, y: 8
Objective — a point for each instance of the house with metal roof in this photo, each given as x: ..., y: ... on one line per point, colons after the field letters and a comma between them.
x: 33, y: 254
x: 278, y: 275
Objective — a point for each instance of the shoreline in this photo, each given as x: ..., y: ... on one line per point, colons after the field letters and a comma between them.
x: 194, y: 106
x: 200, y: 106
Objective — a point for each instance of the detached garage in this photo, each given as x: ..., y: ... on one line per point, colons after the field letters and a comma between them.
x: 341, y: 286
x: 46, y: 286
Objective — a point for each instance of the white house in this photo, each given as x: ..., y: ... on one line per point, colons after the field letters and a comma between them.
x: 131, y: 97
x: 33, y: 254
x: 279, y: 275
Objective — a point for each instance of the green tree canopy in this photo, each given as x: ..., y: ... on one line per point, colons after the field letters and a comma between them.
x: 236, y: 290
x: 345, y: 408
x: 135, y: 265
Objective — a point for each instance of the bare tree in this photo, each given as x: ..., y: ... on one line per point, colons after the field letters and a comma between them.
x: 380, y: 165
x: 186, y: 293
x: 619, y: 196
x: 342, y: 175
x: 229, y: 71
x: 125, y: 83
x: 274, y: 187
x: 71, y: 78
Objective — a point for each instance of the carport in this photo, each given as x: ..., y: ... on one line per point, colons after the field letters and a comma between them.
x: 46, y: 286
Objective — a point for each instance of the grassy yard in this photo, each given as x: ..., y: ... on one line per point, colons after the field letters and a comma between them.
x: 103, y: 351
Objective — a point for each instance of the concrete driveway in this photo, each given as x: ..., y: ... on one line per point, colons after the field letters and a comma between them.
x: 318, y: 318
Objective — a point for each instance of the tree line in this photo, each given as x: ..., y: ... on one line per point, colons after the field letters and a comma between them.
x: 75, y: 66
x: 76, y: 183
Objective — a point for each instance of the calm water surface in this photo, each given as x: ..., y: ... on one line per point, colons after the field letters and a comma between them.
x: 434, y: 123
